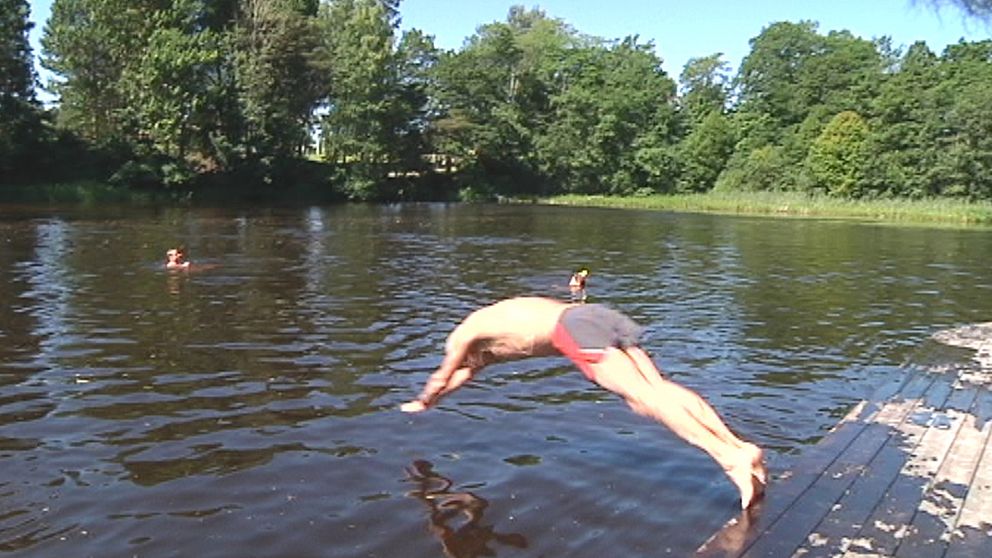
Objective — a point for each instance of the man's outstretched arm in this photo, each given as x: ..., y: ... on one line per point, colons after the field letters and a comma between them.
x: 447, y: 378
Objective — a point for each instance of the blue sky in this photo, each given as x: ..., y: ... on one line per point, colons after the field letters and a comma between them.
x: 683, y: 29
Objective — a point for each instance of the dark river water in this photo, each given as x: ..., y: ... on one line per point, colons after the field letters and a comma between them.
x: 249, y: 407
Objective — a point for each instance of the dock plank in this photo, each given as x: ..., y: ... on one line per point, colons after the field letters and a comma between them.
x: 798, y: 530
x: 846, y: 518
x: 887, y: 525
x: 907, y: 474
x: 890, y: 402
x: 937, y: 514
x: 972, y: 535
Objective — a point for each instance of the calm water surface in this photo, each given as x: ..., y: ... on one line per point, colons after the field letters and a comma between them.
x: 249, y: 409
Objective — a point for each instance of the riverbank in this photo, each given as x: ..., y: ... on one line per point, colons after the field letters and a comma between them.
x: 85, y: 193
x: 936, y: 211
x: 90, y: 193
x: 786, y: 204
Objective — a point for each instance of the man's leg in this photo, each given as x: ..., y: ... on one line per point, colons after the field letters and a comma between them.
x: 695, y: 405
x: 686, y: 414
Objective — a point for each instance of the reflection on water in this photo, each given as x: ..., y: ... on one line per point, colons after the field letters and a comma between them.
x: 250, y: 408
x: 456, y: 517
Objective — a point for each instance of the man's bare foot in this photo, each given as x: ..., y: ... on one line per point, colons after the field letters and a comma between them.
x: 743, y: 479
x: 758, y: 464
x: 749, y: 475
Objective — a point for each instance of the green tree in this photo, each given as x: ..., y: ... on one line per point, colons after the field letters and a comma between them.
x: 970, y: 149
x: 704, y: 87
x: 773, y: 106
x: 761, y: 169
x: 962, y: 146
x: 837, y: 159
x: 793, y: 82
x: 16, y: 69
x: 844, y: 74
x: 770, y: 76
x: 494, y: 97
x: 413, y: 109
x: 793, y: 72
x: 89, y: 44
x: 20, y: 121
x: 278, y: 82
x: 708, y: 138
x: 930, y: 135
x: 187, y: 86
x: 907, y: 121
x: 704, y: 153
x: 360, y: 38
x: 166, y: 92
x: 613, y: 126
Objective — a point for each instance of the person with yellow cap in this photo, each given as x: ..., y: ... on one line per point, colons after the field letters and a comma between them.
x: 577, y: 285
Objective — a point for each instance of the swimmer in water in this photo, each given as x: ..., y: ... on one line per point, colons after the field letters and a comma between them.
x: 603, y: 344
x: 175, y: 258
x: 577, y: 285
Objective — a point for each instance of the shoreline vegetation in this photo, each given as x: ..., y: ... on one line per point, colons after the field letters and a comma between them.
x: 174, y: 103
x: 92, y: 192
x: 937, y: 211
x: 792, y: 204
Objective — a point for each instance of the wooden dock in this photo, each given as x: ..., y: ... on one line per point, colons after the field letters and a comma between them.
x: 908, y: 473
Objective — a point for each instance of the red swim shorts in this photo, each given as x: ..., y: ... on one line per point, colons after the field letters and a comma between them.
x: 583, y: 334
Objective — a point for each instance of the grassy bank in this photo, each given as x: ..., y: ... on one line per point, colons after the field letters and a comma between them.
x: 944, y: 211
x: 83, y: 192
x: 934, y: 211
x: 95, y: 193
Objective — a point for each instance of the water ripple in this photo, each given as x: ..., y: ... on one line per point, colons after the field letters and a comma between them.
x: 211, y: 413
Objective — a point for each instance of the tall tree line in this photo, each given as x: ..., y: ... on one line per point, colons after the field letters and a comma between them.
x: 20, y: 113
x: 264, y: 93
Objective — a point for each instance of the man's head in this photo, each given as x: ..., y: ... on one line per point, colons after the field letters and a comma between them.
x: 175, y: 256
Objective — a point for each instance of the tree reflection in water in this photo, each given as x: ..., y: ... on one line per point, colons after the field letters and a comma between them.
x: 456, y: 517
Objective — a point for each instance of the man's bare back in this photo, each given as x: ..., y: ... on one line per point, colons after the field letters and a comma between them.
x: 509, y: 330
